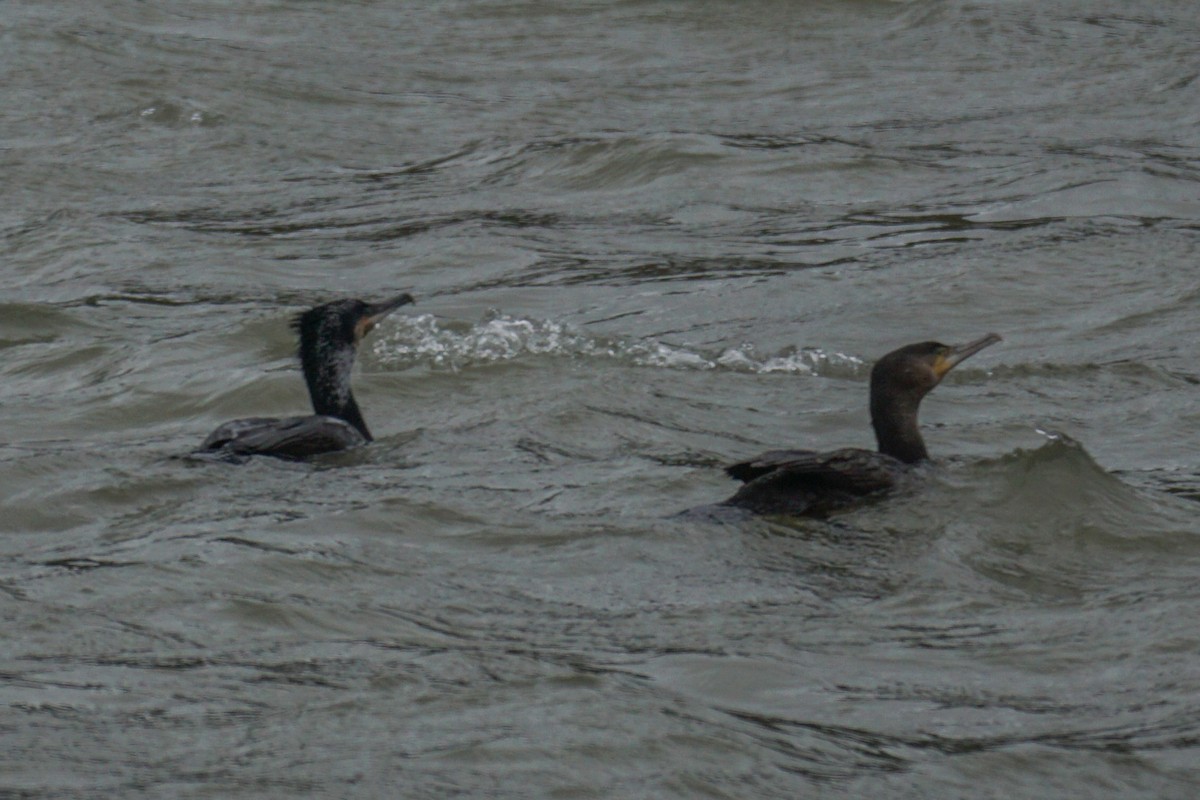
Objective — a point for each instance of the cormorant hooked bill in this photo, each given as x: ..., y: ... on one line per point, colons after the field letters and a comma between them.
x: 329, y: 335
x: 807, y: 482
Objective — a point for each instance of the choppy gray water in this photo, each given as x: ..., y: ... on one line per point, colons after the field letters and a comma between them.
x: 647, y: 238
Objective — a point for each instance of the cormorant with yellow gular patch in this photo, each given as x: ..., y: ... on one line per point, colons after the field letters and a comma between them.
x: 807, y: 482
x: 329, y: 337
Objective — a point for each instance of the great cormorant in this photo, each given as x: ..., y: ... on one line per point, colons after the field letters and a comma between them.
x: 807, y: 482
x: 329, y: 335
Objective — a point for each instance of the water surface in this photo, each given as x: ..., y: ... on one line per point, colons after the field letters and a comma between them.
x: 647, y: 239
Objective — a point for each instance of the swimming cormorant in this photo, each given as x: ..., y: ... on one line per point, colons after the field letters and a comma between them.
x: 329, y: 335
x: 808, y: 482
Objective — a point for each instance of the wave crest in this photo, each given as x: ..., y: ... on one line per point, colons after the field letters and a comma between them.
x: 498, y: 337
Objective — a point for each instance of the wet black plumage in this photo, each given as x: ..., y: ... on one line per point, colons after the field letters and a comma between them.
x: 329, y: 336
x: 808, y: 482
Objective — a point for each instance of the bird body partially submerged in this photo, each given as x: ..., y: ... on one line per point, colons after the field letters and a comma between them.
x: 812, y: 483
x: 808, y: 482
x: 286, y: 437
x: 329, y: 336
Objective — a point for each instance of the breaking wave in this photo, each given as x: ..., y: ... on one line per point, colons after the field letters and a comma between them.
x: 441, y: 344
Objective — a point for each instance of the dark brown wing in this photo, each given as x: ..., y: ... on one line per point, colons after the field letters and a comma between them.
x: 746, y: 471
x: 849, y: 469
x: 289, y: 437
x: 808, y: 482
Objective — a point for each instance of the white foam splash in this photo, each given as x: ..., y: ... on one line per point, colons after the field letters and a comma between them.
x: 500, y: 337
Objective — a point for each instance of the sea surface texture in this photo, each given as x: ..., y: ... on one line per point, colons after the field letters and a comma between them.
x: 647, y: 238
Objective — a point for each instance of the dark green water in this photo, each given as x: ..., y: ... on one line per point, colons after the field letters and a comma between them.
x: 647, y: 238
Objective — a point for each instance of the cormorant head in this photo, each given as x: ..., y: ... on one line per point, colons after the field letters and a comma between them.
x: 343, y: 322
x: 916, y: 368
x: 898, y: 382
x: 329, y: 334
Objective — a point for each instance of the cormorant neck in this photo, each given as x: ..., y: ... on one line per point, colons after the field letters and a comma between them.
x: 351, y: 414
x: 894, y: 417
x: 327, y: 367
